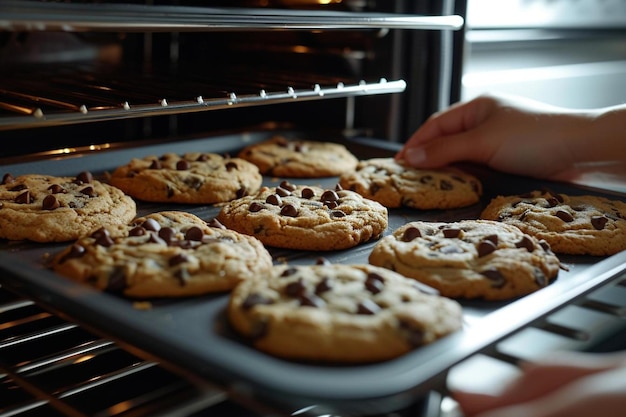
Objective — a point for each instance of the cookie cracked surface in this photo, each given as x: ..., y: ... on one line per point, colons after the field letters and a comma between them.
x: 296, y: 158
x: 164, y: 254
x: 46, y: 208
x: 395, y: 185
x: 193, y: 178
x: 469, y: 259
x: 306, y: 217
x: 339, y: 313
x: 571, y: 224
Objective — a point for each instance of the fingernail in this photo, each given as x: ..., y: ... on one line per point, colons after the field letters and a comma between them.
x: 415, y: 156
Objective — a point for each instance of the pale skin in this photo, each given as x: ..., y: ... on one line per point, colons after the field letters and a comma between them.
x: 525, y: 137
x: 566, y: 384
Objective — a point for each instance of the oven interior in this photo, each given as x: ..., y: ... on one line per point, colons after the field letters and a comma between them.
x: 89, y: 84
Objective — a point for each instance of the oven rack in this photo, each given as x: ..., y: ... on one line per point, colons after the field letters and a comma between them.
x: 43, y: 109
x: 72, y: 17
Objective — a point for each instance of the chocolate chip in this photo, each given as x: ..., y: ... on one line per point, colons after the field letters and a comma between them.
x: 76, y: 251
x: 564, y: 215
x: 495, y: 276
x: 231, y: 166
x: 338, y: 187
x: 368, y: 307
x: 254, y: 300
x: 242, y: 192
x: 117, y: 280
x: 182, y: 275
x: 183, y: 165
x: 598, y: 222
x: 526, y: 242
x: 84, y: 177
x: 18, y: 187
x: 322, y: 261
x: 540, y: 278
x: 216, y: 223
x: 311, y: 300
x: 104, y: 240
x: 485, y: 248
x: 374, y: 283
x: 287, y: 186
x: 295, y: 289
x: 154, y: 238
x: 329, y: 195
x: 545, y: 245
x: 24, y: 198
x: 552, y: 201
x: 50, y: 202
x: 446, y: 185
x: 274, y: 199
x: 451, y: 233
x: 254, y: 207
x: 493, y: 239
x: 56, y: 189
x: 202, y: 157
x: 156, y: 164
x: 289, y: 210
x: 151, y: 224
x: 308, y: 193
x: 8, y: 179
x: 282, y: 192
x: 194, y: 233
x: 88, y: 191
x: 331, y: 204
x: 178, y: 259
x: 137, y: 231
x: 426, y: 179
x: 167, y: 234
x: 337, y: 214
x: 414, y: 336
x: 289, y: 271
x: 324, y: 285
x: 411, y: 233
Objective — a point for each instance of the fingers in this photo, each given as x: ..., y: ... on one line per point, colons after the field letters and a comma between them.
x: 543, y: 384
x: 447, y: 136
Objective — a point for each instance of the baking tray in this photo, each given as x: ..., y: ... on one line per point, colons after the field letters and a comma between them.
x: 192, y: 336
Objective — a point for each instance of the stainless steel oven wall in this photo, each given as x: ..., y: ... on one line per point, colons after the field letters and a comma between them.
x: 570, y: 53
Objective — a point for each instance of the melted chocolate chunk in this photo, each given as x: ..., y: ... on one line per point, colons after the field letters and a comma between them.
x: 526, y: 242
x: 411, y: 233
x: 254, y: 300
x: 414, y: 336
x: 56, y: 189
x: 311, y: 300
x: 295, y: 289
x: 255, y: 207
x: 368, y: 307
x: 194, y: 233
x: 496, y: 277
x: 564, y: 215
x: 117, y: 280
x: 178, y: 259
x: 374, y: 283
x: 274, y: 199
x: 50, y: 202
x: 84, y: 177
x: 24, y: 198
x: 598, y: 222
x: 324, y: 285
x: 451, y: 233
x: 485, y: 248
x: 289, y: 210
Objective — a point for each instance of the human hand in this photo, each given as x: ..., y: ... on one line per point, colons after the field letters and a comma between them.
x: 562, y: 385
x: 509, y: 134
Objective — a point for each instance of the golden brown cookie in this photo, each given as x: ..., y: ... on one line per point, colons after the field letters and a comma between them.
x: 306, y: 217
x: 165, y: 254
x: 45, y: 208
x: 339, y: 313
x: 571, y: 224
x: 395, y: 185
x: 193, y: 178
x: 282, y: 157
x: 469, y: 259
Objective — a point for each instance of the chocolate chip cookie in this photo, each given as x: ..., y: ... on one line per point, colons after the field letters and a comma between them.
x: 193, y: 178
x: 164, y: 254
x: 45, y: 208
x: 306, y: 217
x: 571, y: 224
x: 469, y: 259
x: 282, y: 157
x: 395, y: 185
x: 339, y: 313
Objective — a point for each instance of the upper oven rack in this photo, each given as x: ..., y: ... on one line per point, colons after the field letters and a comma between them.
x: 37, y: 16
x: 44, y: 104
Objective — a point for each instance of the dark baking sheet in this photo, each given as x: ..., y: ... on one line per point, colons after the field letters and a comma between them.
x: 192, y: 336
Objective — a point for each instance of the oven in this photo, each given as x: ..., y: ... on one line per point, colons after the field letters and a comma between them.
x: 85, y: 85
